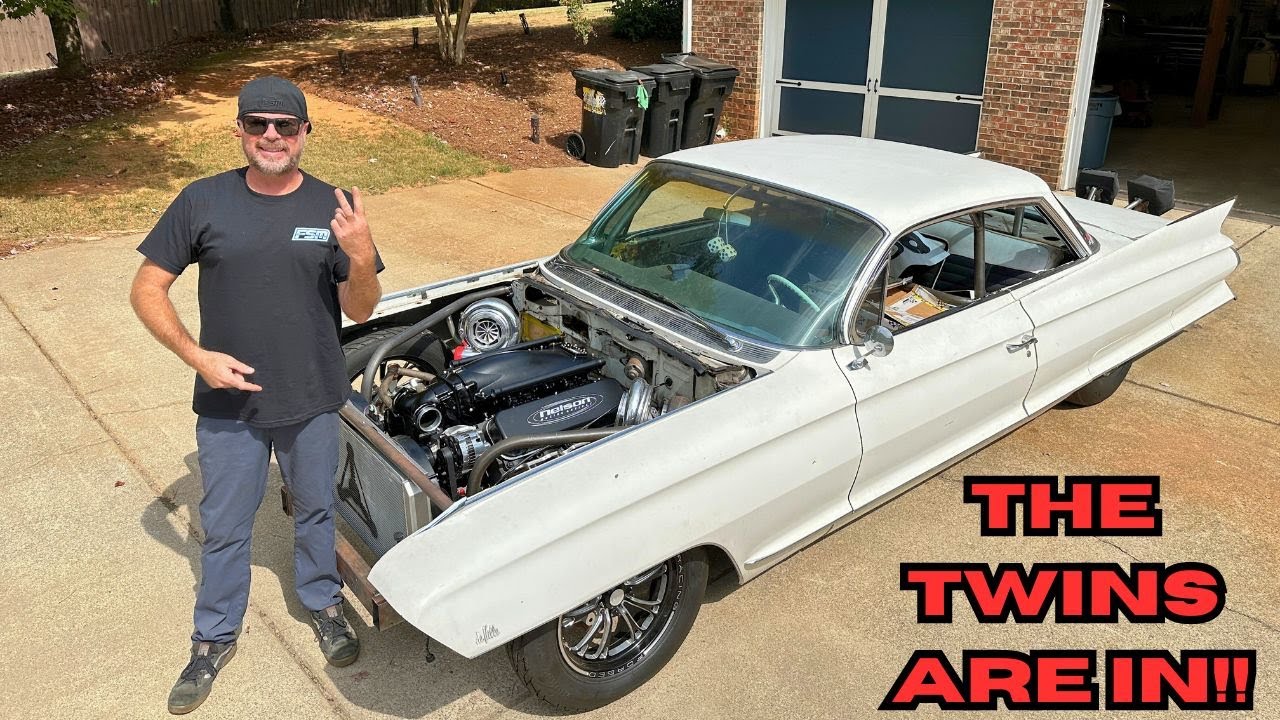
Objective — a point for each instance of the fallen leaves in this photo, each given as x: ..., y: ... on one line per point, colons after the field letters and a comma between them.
x: 469, y: 106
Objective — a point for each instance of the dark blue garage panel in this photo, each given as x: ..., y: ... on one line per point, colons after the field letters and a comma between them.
x: 940, y: 46
x: 827, y: 41
x: 820, y: 111
x: 943, y: 125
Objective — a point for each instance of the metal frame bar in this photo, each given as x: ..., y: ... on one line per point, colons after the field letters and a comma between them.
x: 979, y: 255
x: 355, y: 575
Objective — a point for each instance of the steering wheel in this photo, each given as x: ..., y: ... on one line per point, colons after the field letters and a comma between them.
x: 804, y: 297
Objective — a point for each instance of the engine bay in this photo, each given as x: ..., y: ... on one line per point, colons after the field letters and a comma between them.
x: 528, y: 378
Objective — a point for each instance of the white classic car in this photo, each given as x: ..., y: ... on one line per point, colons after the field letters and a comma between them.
x: 548, y: 456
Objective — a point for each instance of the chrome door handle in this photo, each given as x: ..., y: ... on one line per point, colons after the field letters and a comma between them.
x: 1027, y: 342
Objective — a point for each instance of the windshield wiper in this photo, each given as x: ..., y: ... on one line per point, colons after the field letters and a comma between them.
x: 725, y: 341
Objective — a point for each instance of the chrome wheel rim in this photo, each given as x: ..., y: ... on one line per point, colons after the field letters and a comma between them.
x: 620, y: 627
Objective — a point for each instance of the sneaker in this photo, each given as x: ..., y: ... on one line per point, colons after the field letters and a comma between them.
x: 338, y: 642
x: 197, y: 678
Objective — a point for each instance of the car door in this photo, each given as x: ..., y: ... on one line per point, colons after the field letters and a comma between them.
x: 952, y: 381
x: 1079, y: 310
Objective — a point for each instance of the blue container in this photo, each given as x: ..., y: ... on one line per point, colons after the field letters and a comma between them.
x: 1097, y: 129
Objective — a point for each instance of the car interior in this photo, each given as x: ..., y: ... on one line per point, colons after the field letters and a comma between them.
x: 932, y: 270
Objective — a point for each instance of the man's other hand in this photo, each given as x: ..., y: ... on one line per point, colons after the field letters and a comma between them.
x: 350, y: 227
x: 221, y: 371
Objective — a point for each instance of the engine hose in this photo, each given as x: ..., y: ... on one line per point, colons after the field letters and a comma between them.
x: 413, y: 331
x: 567, y: 437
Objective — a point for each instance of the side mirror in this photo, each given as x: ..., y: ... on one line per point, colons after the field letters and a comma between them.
x: 879, y: 341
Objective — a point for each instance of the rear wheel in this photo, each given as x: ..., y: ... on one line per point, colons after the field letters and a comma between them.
x: 1100, y: 388
x: 613, y: 643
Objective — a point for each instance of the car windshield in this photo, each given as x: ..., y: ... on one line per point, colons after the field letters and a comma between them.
x: 751, y: 258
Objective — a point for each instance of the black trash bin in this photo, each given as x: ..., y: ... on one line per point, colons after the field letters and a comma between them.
x: 613, y: 106
x: 712, y: 83
x: 664, y: 124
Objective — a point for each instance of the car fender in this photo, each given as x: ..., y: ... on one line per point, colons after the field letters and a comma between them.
x: 1109, y: 308
x: 739, y: 469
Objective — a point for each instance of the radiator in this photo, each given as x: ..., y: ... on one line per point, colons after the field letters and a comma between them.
x: 375, y: 499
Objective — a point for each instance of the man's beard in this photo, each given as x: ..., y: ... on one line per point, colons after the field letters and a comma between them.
x: 277, y: 166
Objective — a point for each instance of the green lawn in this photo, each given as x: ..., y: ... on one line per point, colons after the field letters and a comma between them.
x: 118, y: 174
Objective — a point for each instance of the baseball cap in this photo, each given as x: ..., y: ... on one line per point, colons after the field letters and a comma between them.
x: 273, y: 94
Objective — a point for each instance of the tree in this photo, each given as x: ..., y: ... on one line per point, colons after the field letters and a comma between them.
x: 453, y: 33
x: 64, y: 21
x: 576, y: 12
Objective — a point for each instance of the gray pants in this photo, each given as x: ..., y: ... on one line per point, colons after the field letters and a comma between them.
x: 233, y: 465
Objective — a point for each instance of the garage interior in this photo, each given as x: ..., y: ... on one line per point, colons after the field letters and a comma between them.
x: 1197, y: 82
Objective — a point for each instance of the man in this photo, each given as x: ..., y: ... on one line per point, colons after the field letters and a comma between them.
x: 280, y: 253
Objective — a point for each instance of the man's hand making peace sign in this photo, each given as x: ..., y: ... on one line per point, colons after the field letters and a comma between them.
x: 359, y: 293
x: 350, y: 227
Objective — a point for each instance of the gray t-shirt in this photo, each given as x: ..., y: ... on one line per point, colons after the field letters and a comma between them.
x: 269, y: 268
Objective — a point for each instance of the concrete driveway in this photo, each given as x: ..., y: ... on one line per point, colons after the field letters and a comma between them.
x: 98, y: 521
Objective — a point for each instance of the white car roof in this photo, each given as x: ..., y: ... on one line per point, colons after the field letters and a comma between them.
x: 898, y: 185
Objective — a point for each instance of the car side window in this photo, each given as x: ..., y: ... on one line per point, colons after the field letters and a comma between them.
x: 931, y: 272
x: 951, y: 263
x: 1020, y: 243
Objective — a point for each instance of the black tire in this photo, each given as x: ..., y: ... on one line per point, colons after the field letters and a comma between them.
x: 560, y: 677
x: 1100, y: 388
x: 423, y: 349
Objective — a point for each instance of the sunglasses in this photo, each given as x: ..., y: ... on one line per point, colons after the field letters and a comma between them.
x: 287, y: 127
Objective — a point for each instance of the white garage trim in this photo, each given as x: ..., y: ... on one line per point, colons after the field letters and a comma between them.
x: 1080, y: 94
x: 686, y: 25
x: 769, y: 92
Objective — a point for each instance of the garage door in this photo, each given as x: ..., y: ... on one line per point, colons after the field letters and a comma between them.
x: 905, y: 70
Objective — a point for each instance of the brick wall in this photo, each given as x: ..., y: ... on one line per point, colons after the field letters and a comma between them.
x: 1030, y: 77
x: 731, y: 32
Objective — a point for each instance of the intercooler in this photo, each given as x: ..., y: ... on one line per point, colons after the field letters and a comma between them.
x: 375, y: 494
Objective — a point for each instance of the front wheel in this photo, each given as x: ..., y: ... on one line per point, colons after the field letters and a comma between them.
x: 424, y: 352
x: 1100, y: 388
x: 613, y: 643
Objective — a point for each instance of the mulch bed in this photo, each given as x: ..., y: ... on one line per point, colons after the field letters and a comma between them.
x: 470, y: 106
x: 36, y: 103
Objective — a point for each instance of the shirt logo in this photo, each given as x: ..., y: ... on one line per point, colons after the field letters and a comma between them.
x: 310, y: 235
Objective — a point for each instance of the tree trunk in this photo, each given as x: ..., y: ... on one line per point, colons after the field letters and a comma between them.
x: 67, y: 42
x: 443, y: 26
x: 453, y: 34
x: 460, y: 31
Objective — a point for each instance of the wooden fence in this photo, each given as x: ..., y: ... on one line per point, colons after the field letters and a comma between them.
x: 119, y: 27
x: 24, y: 44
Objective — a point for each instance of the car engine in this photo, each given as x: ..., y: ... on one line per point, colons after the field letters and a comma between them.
x: 529, y: 394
